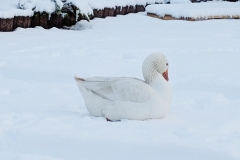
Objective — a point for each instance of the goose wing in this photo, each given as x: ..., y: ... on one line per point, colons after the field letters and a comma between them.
x: 123, y: 88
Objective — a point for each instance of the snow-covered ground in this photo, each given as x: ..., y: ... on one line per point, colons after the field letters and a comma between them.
x: 43, y: 116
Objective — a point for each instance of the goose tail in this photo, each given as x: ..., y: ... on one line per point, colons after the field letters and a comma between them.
x: 78, y: 79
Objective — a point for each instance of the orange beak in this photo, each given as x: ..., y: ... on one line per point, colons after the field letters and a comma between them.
x: 165, y: 75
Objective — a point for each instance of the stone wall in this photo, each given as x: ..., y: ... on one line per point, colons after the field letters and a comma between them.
x: 6, y: 25
x: 10, y: 24
x: 67, y: 17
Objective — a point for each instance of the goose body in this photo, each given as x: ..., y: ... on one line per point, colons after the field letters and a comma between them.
x: 129, y: 98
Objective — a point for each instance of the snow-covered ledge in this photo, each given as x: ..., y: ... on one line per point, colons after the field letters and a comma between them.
x: 195, y: 11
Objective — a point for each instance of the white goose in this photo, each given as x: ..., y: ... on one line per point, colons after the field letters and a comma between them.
x: 130, y: 98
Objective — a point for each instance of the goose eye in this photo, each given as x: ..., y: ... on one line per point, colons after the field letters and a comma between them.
x: 167, y: 64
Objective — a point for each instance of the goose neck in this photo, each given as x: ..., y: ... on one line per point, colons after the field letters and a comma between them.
x: 159, y: 83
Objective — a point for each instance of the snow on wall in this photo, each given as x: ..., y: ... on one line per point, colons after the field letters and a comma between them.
x: 48, y: 6
x: 160, y: 1
x: 82, y: 5
x: 45, y: 6
x: 27, y: 4
x: 179, y: 1
x: 150, y: 1
x: 58, y: 4
x: 143, y: 2
x: 9, y: 9
x: 6, y: 12
x: 51, y: 6
x: 94, y: 4
x: 196, y: 9
x: 119, y: 2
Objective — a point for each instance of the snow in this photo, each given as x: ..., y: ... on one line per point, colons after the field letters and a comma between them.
x: 160, y: 1
x: 10, y: 13
x: 101, y: 4
x: 27, y: 4
x: 196, y: 9
x: 121, y: 3
x: 82, y: 5
x: 59, y: 4
x: 150, y: 1
x: 9, y: 9
x: 179, y: 1
x: 81, y: 25
x: 47, y: 6
x: 96, y: 4
x: 43, y: 116
x: 142, y: 2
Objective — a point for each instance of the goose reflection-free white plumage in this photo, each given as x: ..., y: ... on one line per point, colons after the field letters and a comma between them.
x: 129, y: 98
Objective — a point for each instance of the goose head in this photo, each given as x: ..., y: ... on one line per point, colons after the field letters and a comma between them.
x: 154, y: 65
